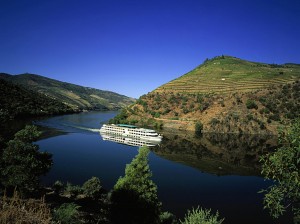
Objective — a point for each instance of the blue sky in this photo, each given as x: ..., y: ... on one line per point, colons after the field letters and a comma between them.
x: 132, y: 47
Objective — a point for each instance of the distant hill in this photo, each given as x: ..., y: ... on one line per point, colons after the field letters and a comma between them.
x: 18, y: 102
x: 75, y: 96
x: 226, y: 95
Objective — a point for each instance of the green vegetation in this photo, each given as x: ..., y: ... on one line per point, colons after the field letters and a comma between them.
x: 67, y: 213
x: 226, y: 74
x: 73, y: 190
x: 133, y: 200
x: 22, y: 163
x: 198, y: 128
x: 220, y: 93
x: 257, y: 112
x: 283, y: 167
x: 92, y: 188
x: 250, y: 104
x: 201, y: 216
x: 134, y: 197
x: 18, y: 102
x: 58, y: 187
x: 120, y: 118
x: 76, y: 97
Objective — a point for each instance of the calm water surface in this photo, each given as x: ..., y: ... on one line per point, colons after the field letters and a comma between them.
x: 217, y: 172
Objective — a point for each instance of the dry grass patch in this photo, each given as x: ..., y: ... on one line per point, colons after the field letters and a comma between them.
x: 20, y: 211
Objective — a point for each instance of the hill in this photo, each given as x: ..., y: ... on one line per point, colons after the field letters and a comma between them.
x: 75, y: 96
x: 225, y: 95
x: 18, y: 102
x: 226, y: 74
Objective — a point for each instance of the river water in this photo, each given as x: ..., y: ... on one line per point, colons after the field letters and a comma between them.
x: 220, y: 172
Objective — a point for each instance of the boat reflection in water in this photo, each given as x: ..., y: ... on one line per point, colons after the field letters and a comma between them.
x: 130, y: 135
x: 128, y: 140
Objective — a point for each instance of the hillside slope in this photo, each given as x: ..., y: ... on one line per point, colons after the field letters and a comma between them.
x: 77, y: 97
x: 226, y: 74
x: 225, y: 95
x: 18, y: 102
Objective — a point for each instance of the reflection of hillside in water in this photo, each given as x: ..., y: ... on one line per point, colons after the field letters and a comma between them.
x: 221, y: 154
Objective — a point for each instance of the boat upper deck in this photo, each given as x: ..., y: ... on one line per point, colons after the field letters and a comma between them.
x: 122, y: 128
x: 126, y: 126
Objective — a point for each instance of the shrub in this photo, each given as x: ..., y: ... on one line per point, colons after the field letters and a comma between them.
x: 166, y: 111
x: 157, y: 115
x: 157, y: 98
x: 203, y: 106
x: 58, y: 186
x: 133, y: 121
x: 262, y: 125
x: 250, y: 104
x: 185, y: 110
x: 201, y: 216
x: 158, y: 125
x: 73, y: 190
x: 275, y: 117
x: 235, y: 116
x: 199, y: 98
x: 262, y: 100
x: 249, y: 117
x: 67, y: 213
x: 214, y: 121
x: 92, y: 187
x: 167, y: 218
x: 238, y: 100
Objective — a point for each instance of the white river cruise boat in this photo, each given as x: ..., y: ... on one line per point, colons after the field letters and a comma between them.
x: 131, y: 131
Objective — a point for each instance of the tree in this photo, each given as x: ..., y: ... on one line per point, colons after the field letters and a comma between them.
x: 282, y: 166
x: 134, y: 196
x: 201, y: 216
x: 22, y: 163
x: 198, y: 128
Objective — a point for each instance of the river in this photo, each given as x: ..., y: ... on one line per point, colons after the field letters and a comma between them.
x: 220, y: 172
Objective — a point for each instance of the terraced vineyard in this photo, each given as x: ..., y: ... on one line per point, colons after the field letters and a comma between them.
x: 229, y: 74
x: 223, y: 95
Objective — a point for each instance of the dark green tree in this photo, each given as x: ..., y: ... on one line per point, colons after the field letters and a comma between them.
x: 283, y: 166
x: 134, y: 196
x: 23, y: 163
x: 198, y: 128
